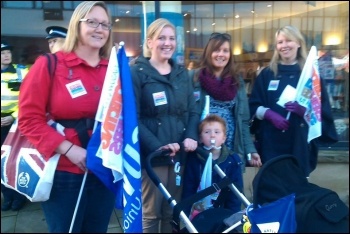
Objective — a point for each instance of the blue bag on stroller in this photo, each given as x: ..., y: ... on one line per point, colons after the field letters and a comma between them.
x: 280, y: 220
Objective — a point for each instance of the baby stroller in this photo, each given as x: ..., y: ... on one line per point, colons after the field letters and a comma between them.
x: 210, y: 220
x: 317, y: 209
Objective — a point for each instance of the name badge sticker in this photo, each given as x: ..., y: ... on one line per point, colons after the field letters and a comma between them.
x: 159, y: 98
x: 197, y: 95
x: 273, y: 85
x: 76, y: 89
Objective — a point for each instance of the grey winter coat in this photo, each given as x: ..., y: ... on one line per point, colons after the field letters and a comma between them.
x: 165, y: 108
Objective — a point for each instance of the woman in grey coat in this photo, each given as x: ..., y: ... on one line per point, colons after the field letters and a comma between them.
x: 166, y: 116
x: 216, y: 77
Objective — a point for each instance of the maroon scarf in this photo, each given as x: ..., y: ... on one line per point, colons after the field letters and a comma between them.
x: 223, y: 90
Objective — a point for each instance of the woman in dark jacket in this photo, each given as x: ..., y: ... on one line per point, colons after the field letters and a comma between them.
x: 276, y: 135
x: 166, y: 116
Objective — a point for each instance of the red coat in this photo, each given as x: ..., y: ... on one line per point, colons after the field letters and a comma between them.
x: 77, y: 100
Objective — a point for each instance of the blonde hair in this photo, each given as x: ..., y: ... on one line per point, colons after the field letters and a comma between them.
x: 74, y: 28
x: 292, y: 33
x: 58, y: 44
x: 153, y: 31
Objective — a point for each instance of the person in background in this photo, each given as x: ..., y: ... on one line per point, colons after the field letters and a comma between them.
x: 30, y: 53
x: 73, y: 103
x: 277, y: 135
x: 260, y: 67
x: 212, y: 131
x: 11, y: 78
x: 56, y: 36
x: 191, y: 65
x: 166, y: 116
x: 228, y: 98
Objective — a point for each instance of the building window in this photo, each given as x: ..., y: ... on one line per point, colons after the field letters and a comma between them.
x: 52, y: 5
x: 18, y: 4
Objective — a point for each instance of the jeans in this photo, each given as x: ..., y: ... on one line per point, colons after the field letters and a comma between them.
x: 95, y: 208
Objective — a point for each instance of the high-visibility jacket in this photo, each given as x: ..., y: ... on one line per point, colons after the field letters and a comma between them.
x: 11, y: 79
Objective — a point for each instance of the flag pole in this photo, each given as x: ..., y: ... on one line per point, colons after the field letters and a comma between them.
x: 78, y: 202
x: 288, y: 115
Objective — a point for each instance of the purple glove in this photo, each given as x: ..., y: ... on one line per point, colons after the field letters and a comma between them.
x: 295, y: 108
x: 278, y: 121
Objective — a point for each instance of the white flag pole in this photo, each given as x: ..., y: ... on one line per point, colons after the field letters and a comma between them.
x: 78, y: 202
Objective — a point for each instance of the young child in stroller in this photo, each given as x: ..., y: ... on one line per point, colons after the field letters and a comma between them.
x: 212, y: 131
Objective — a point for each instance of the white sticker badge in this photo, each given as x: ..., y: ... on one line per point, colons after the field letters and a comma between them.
x: 76, y: 89
x: 273, y: 85
x: 159, y: 98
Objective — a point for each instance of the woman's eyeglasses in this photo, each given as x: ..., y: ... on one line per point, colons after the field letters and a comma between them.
x: 218, y: 35
x: 94, y: 24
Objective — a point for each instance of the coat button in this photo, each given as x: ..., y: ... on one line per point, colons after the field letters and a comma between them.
x: 96, y: 88
x: 302, y: 125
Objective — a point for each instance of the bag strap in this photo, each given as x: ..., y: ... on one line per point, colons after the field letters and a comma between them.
x: 223, y: 196
x: 81, y: 125
x: 197, y: 197
x: 51, y: 63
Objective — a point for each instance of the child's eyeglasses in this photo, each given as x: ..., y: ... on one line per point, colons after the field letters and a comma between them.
x: 217, y: 35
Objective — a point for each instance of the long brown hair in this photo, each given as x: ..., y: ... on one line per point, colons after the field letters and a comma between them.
x: 213, y: 44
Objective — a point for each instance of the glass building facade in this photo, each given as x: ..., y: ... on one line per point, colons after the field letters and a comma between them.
x: 251, y: 24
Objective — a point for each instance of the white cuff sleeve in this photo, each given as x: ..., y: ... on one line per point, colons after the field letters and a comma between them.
x: 260, y: 112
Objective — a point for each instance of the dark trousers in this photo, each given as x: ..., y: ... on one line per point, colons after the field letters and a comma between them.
x: 4, y: 131
x: 95, y: 208
x: 11, y: 195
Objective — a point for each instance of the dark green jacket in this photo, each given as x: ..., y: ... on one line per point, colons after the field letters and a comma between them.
x: 165, y: 107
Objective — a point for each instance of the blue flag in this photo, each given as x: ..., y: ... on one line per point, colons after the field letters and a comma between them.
x: 132, y: 220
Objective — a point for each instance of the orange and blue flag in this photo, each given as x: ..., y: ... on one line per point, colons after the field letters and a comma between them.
x: 309, y: 94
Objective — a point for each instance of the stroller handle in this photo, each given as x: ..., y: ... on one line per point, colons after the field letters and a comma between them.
x: 148, y: 165
x: 155, y: 179
x: 165, y: 153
